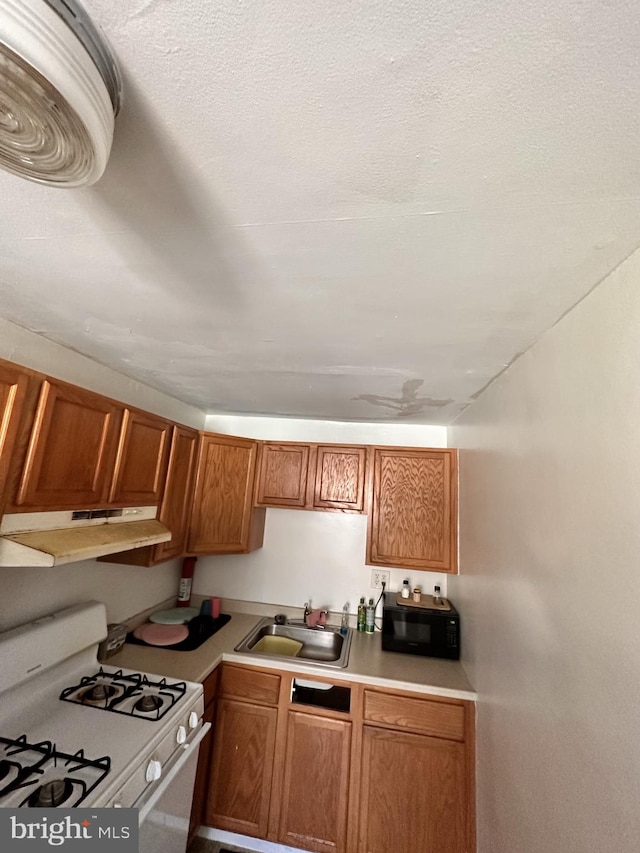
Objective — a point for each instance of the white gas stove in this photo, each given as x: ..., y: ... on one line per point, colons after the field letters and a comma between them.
x: 74, y: 732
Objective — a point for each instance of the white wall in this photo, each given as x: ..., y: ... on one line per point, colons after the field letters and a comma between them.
x: 550, y: 583
x: 310, y: 555
x: 28, y: 593
x: 38, y: 353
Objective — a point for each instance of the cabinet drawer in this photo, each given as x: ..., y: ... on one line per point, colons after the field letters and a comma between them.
x: 440, y: 719
x: 250, y: 684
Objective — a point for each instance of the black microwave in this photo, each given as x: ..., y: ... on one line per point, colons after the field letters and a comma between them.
x: 420, y: 630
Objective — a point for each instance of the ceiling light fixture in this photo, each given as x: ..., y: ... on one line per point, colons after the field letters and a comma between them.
x: 59, y: 93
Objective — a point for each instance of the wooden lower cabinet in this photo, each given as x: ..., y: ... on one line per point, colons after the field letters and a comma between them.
x: 393, y: 774
x: 242, y: 767
x: 315, y: 793
x: 201, y: 785
x: 412, y: 793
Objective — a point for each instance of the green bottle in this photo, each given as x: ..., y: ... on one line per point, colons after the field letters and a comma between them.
x: 362, y: 615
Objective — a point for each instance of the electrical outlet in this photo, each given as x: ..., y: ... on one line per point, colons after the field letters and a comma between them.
x: 378, y: 577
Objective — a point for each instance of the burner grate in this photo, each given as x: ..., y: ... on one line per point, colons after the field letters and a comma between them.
x: 133, y: 694
x: 36, y: 769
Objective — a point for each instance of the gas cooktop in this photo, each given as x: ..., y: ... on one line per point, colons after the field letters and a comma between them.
x: 74, y: 732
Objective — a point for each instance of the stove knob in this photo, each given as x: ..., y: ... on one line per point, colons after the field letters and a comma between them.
x: 154, y: 770
x: 181, y: 734
x: 194, y: 719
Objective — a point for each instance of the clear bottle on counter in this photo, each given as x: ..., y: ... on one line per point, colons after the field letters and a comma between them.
x: 437, y: 598
x: 406, y: 589
x: 344, y: 625
x: 370, y: 619
x: 362, y: 615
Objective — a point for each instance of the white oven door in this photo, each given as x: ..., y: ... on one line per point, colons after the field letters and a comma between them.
x: 165, y: 810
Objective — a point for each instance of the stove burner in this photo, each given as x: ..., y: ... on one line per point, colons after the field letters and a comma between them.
x: 98, y: 693
x: 52, y: 794
x: 133, y: 694
x: 40, y: 775
x: 148, y: 703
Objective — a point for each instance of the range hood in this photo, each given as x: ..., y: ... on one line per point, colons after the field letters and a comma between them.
x: 56, y: 538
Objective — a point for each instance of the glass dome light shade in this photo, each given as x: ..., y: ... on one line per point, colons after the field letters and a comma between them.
x: 56, y: 113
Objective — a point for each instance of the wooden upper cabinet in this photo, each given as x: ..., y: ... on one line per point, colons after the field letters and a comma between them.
x: 141, y: 463
x: 282, y: 480
x: 223, y: 519
x: 413, y: 509
x: 71, y: 452
x: 312, y: 476
x: 14, y: 381
x: 340, y: 477
x: 176, y: 504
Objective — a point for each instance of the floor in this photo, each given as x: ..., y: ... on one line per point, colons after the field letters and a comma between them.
x: 203, y: 845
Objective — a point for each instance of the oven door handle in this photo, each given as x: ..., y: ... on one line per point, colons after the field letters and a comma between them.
x: 148, y: 799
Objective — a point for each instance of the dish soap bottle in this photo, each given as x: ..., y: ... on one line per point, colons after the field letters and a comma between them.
x: 361, y: 615
x: 370, y: 617
x: 344, y: 625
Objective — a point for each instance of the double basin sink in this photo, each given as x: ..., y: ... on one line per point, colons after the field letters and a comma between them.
x: 326, y: 647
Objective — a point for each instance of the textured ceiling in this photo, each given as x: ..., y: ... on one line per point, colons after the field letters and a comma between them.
x: 345, y: 210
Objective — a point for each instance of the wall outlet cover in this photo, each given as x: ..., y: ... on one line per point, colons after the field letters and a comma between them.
x: 378, y: 577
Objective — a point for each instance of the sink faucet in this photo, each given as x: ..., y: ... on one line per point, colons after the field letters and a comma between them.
x: 315, y: 618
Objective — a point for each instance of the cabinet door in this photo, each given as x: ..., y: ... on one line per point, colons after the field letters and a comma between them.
x: 242, y: 767
x: 203, y: 771
x: 282, y: 480
x: 178, y: 493
x: 340, y: 478
x: 13, y: 388
x: 176, y: 504
x: 413, y: 795
x: 223, y: 520
x: 141, y: 464
x: 413, y: 513
x: 314, y: 804
x: 71, y: 450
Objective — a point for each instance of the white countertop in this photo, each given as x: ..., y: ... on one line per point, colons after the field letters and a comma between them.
x: 367, y: 662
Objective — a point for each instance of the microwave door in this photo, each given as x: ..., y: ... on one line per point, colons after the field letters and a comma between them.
x: 411, y: 629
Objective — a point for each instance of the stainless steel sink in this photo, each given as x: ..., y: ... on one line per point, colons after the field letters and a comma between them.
x: 321, y: 646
